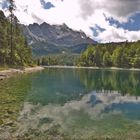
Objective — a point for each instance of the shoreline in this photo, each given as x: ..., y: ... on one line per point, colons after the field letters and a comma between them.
x: 95, y: 68
x: 4, y: 74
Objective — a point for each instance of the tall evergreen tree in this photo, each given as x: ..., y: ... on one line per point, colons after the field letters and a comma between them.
x: 13, y: 51
x: 12, y: 17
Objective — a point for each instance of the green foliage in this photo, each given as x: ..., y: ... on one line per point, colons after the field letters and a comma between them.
x: 107, y: 59
x: 20, y: 53
x: 58, y: 59
x: 124, y: 55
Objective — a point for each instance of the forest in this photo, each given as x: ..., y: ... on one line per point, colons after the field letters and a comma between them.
x: 14, y: 50
x: 122, y: 55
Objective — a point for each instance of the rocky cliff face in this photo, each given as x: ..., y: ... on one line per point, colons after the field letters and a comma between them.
x: 56, y: 35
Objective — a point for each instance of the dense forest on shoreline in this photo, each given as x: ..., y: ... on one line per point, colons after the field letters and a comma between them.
x: 67, y: 59
x: 14, y: 50
x: 123, y: 55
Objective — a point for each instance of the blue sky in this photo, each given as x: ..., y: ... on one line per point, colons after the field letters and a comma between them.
x: 133, y: 24
x: 103, y: 20
x: 46, y: 5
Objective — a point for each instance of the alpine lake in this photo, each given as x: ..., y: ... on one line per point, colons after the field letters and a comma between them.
x: 71, y: 104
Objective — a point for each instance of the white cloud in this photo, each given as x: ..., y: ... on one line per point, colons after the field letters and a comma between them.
x: 83, y: 14
x: 119, y: 9
x: 113, y: 34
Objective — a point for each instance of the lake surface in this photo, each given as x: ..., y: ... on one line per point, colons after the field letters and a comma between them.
x: 71, y: 104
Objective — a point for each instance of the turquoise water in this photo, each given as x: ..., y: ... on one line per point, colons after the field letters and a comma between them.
x: 71, y: 104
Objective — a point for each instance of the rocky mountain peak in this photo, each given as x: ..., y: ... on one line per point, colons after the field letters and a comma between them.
x: 56, y: 35
x: 61, y: 35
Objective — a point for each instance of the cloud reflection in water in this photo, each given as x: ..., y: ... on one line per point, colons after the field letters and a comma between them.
x: 87, y: 113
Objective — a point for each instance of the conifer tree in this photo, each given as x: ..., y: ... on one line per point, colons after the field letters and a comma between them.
x: 11, y: 16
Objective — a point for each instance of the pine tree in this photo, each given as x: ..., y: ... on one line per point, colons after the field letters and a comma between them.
x: 11, y: 16
x: 13, y: 50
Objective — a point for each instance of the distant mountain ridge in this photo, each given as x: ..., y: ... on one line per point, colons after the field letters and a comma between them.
x: 48, y: 38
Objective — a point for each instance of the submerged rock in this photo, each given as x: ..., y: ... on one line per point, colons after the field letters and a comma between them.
x: 1, y: 122
x: 10, y: 123
x: 10, y: 112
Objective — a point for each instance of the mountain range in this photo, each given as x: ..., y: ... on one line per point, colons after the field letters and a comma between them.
x: 51, y: 39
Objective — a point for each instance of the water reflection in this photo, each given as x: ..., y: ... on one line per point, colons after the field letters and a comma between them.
x: 72, y: 104
x: 62, y: 85
x: 56, y: 86
x: 93, y: 114
x: 123, y: 81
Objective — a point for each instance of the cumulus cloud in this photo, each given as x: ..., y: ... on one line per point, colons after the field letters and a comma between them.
x: 119, y: 9
x: 87, y: 8
x: 82, y: 15
x: 123, y: 8
x: 113, y: 34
